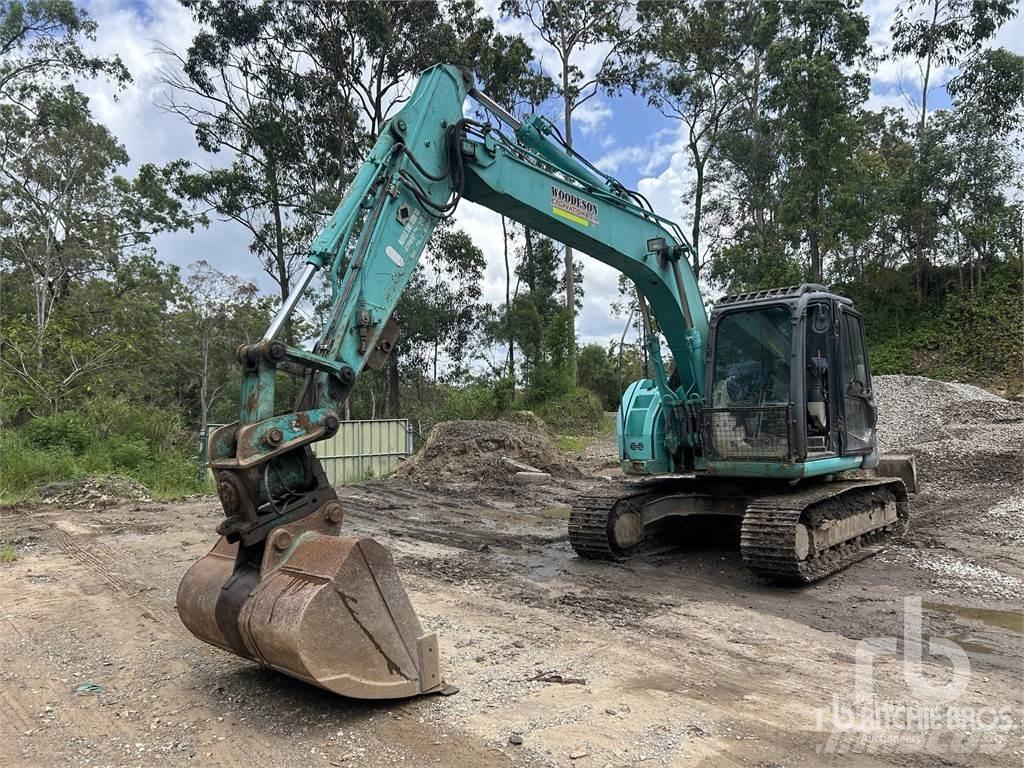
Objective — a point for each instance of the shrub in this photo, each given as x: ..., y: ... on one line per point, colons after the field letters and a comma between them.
x: 108, y: 435
x: 24, y: 467
x: 71, y: 431
x: 477, y: 401
x: 127, y: 452
x: 577, y: 412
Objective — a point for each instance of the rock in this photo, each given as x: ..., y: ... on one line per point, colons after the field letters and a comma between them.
x: 533, y: 477
x: 517, y: 466
x: 610, y: 711
x: 576, y: 754
x: 515, y: 739
x: 94, y: 491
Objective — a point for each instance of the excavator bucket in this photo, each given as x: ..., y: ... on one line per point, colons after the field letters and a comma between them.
x: 326, y: 609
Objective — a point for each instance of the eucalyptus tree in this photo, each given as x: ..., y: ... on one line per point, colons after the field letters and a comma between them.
x: 41, y: 46
x: 691, y: 63
x: 939, y: 35
x: 570, y: 28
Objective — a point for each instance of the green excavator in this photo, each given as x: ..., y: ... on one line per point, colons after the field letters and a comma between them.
x: 768, y: 416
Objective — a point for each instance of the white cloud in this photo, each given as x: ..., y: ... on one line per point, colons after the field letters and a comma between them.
x: 591, y: 114
x: 621, y: 157
x: 484, y: 227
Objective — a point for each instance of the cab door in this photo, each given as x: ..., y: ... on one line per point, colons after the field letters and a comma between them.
x: 859, y: 413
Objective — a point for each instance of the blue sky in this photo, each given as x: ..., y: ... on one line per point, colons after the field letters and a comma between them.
x: 620, y: 134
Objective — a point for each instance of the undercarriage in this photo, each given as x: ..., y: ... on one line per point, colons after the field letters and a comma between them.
x: 788, y: 534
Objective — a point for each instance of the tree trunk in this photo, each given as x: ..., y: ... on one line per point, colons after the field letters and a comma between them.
x: 204, y: 385
x: 698, y: 205
x: 570, y: 273
x: 394, y: 399
x: 280, y: 261
x: 919, y: 246
x: 508, y: 304
x: 813, y: 241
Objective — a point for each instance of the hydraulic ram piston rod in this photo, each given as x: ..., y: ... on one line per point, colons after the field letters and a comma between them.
x: 290, y: 303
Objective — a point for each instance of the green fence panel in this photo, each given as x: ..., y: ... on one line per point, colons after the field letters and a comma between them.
x: 365, y: 449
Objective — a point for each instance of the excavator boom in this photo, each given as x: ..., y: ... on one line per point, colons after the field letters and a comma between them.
x: 283, y: 587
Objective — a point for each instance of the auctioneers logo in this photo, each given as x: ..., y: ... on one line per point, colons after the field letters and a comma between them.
x: 573, y: 207
x: 932, y: 718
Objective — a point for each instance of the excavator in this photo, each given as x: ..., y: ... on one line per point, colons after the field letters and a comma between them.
x: 768, y: 417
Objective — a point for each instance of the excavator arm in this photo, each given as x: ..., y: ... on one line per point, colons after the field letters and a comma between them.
x: 282, y: 587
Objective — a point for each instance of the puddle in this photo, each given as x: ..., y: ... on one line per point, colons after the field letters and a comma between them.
x: 1012, y: 621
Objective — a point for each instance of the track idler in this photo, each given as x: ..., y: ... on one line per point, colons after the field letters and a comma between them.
x: 323, y: 608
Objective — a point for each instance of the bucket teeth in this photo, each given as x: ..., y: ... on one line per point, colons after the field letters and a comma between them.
x: 328, y: 610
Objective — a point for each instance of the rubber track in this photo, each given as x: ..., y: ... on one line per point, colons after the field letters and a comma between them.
x: 589, y: 519
x: 767, y: 533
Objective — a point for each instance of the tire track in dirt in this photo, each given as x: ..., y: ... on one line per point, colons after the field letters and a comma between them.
x: 118, y: 569
x: 13, y: 715
x: 127, y: 577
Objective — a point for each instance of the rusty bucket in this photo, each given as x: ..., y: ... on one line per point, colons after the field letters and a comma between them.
x: 327, y: 609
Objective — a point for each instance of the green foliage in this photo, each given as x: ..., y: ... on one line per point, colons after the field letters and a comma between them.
x: 68, y: 431
x: 108, y: 435
x: 41, y: 44
x: 577, y: 412
x: 483, y: 400
x: 596, y: 372
x: 8, y: 554
x: 943, y: 340
x: 23, y: 467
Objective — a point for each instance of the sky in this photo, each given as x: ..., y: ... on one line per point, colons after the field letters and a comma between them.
x: 621, y: 135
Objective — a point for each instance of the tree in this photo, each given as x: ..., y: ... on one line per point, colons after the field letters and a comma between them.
x: 210, y: 321
x: 39, y: 47
x: 65, y: 212
x: 690, y: 63
x: 438, y: 311
x: 596, y: 367
x: 992, y: 86
x: 818, y: 62
x: 241, y: 88
x: 945, y: 32
x: 570, y: 27
x: 948, y: 33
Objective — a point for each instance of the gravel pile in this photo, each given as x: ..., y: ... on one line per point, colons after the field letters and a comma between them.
x: 960, y: 434
x: 913, y: 409
x: 474, y: 451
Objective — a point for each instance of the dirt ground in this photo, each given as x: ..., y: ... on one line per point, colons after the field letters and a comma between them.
x: 679, y: 657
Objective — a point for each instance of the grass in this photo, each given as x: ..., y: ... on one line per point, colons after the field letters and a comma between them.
x: 573, y: 443
x: 569, y: 443
x: 8, y: 554
x: 25, y: 467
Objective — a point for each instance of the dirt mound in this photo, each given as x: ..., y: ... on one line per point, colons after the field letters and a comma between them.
x: 94, y: 491
x: 474, y: 451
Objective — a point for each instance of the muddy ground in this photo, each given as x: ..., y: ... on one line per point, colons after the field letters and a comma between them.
x: 683, y: 657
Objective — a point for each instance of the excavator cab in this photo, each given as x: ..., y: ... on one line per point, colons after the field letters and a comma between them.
x: 789, y: 385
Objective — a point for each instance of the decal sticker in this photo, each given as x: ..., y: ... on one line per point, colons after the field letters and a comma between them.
x: 573, y: 207
x: 395, y: 256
